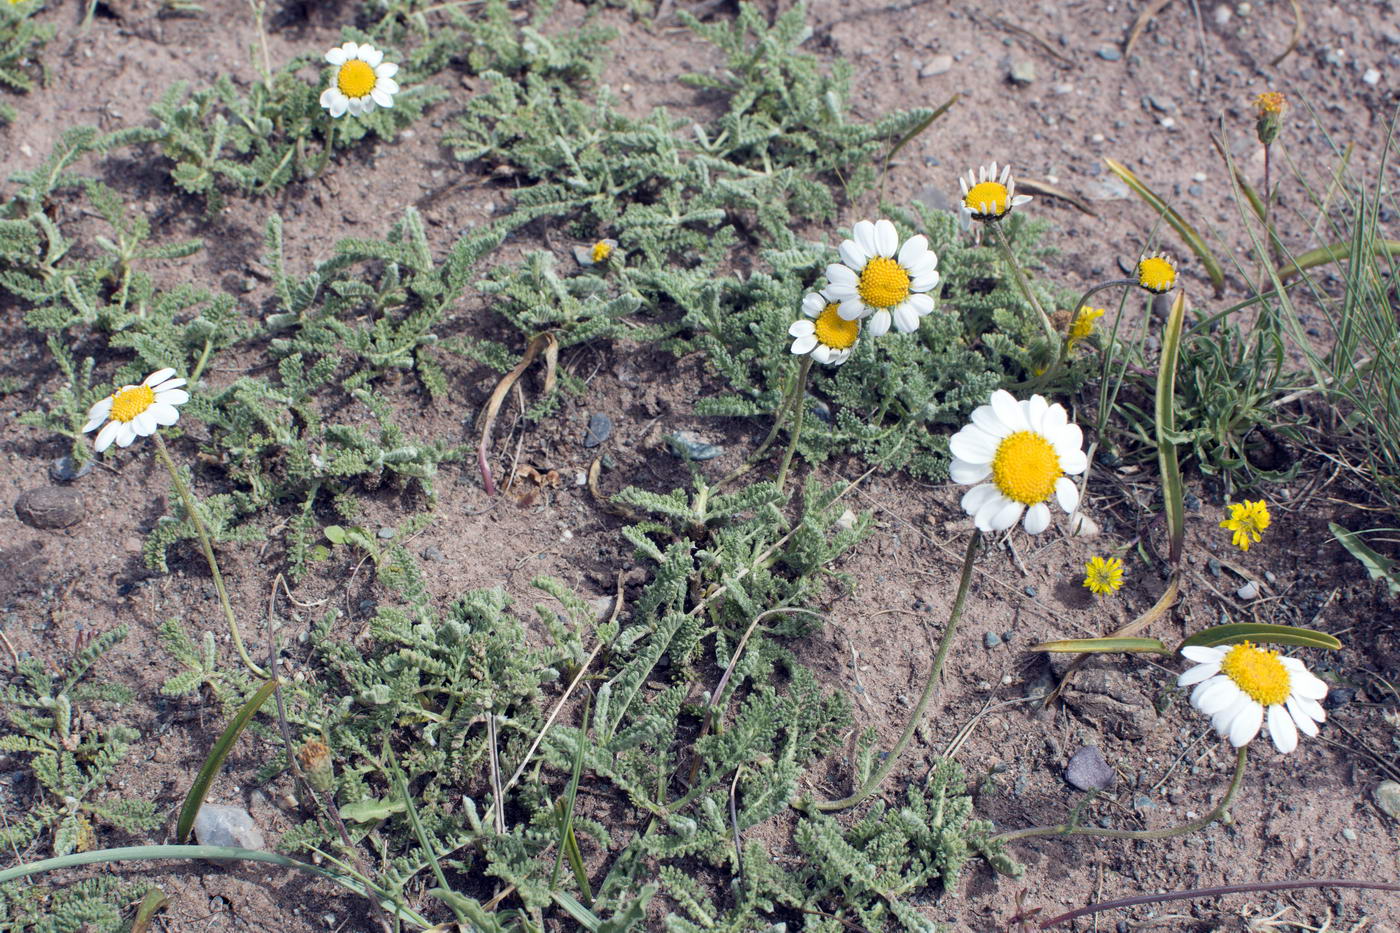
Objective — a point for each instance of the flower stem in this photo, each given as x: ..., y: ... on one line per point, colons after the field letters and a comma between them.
x: 1071, y: 829
x: 187, y: 498
x: 778, y: 417
x: 799, y: 408
x: 1023, y: 282
x: 873, y: 782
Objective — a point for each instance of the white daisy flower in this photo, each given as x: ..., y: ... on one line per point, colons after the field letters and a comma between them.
x: 1026, y: 448
x: 136, y: 411
x: 986, y: 196
x: 825, y: 334
x: 882, y: 280
x: 362, y: 79
x: 1241, y: 687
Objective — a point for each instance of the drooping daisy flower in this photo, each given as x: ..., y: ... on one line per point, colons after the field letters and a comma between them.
x: 136, y: 411
x: 1026, y: 448
x: 1103, y: 576
x: 987, y: 196
x: 1083, y: 324
x: 825, y: 334
x: 1156, y: 274
x: 1241, y: 687
x: 1247, y: 519
x: 882, y: 280
x: 362, y: 79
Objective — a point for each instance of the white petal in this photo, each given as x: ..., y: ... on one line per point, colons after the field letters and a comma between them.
x: 169, y: 384
x: 906, y: 319
x: 924, y: 283
x: 351, y: 49
x: 1073, y: 462
x: 1224, y: 718
x: 804, y: 344
x: 839, y: 274
x: 1246, y: 725
x: 923, y: 264
x: 1054, y: 420
x: 327, y: 96
x: 821, y: 353
x: 1197, y: 673
x: 1282, y: 730
x: 964, y: 473
x: 126, y: 433
x: 864, y: 234
x: 1020, y: 199
x: 1214, y: 695
x: 973, y: 444
x: 886, y: 238
x: 172, y: 397
x: 1037, y: 518
x: 801, y: 329
x: 1066, y: 493
x: 98, y: 414
x: 1203, y: 655
x: 985, y: 418
x: 853, y: 309
x: 336, y: 56
x: 879, y: 323
x: 840, y: 291
x: 145, y: 423
x: 1311, y: 708
x: 382, y: 97
x: 371, y: 56
x: 386, y: 70
x: 164, y: 414
x: 1306, y: 685
x: 1301, y: 719
x: 813, y: 304
x: 994, y: 504
x: 1007, y: 516
x: 978, y: 496
x: 339, y: 104
x: 852, y: 255
x: 159, y: 376
x: 1067, y: 439
x: 913, y: 251
x: 1035, y: 408
x: 1009, y: 411
x: 922, y: 304
x: 388, y: 86
x: 106, y: 436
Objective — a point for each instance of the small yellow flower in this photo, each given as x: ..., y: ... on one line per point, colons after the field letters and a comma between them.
x: 1270, y: 102
x: 602, y: 250
x: 1247, y: 519
x: 1083, y: 324
x: 1268, y: 108
x: 1103, y: 576
x: 1156, y: 274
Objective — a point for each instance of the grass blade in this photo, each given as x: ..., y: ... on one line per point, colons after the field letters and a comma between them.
x: 1377, y: 564
x: 195, y: 798
x: 152, y: 902
x: 1173, y: 492
x: 1254, y: 631
x: 1101, y: 645
x: 1187, y: 232
x: 1334, y: 252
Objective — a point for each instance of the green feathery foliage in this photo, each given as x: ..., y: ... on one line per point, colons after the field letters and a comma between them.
x: 93, y: 905
x: 69, y: 758
x: 21, y: 40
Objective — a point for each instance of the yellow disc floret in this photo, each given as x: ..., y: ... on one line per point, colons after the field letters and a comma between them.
x: 1025, y: 467
x: 835, y: 331
x: 1258, y: 673
x: 355, y: 78
x: 1270, y: 102
x: 988, y: 199
x: 131, y: 401
x: 1156, y: 274
x: 883, y: 283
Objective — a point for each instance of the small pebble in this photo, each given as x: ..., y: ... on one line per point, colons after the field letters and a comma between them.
x: 1348, y: 834
x: 1249, y: 591
x: 1031, y: 591
x: 1110, y: 54
x: 1371, y: 77
x: 1222, y: 14
x: 50, y: 507
x: 385, y: 533
x: 991, y: 640
x: 1213, y: 566
x: 64, y: 470
x: 1022, y: 72
x: 937, y: 65
x: 1269, y: 577
x: 1338, y: 697
x: 690, y: 446
x: 1388, y: 798
x: 434, y: 553
x: 218, y: 825
x: 1193, y: 502
x: 1144, y: 802
x: 599, y: 429
x: 1087, y: 770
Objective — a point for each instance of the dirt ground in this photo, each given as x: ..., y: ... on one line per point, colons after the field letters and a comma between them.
x: 1308, y: 815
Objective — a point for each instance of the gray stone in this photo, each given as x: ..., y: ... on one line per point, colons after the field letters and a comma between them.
x: 1144, y: 802
x: 1213, y: 566
x: 386, y: 534
x: 1110, y: 54
x: 599, y: 429
x: 1371, y: 77
x: 218, y: 825
x: 936, y: 66
x: 434, y: 553
x: 1388, y: 798
x: 991, y: 640
x: 1192, y: 502
x: 690, y: 446
x: 1249, y: 591
x: 65, y: 470
x: 1022, y: 71
x: 1087, y: 770
x: 1348, y: 834
x: 50, y: 507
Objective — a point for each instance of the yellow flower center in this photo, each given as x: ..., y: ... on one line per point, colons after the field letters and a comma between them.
x: 1269, y: 102
x: 835, y: 331
x: 1025, y: 467
x: 131, y: 401
x: 1258, y: 673
x: 355, y: 79
x: 1156, y: 274
x: 883, y: 283
x: 990, y: 198
x: 601, y: 250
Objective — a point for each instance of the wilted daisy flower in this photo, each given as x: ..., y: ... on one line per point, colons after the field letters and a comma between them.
x: 136, y: 411
x: 1026, y: 448
x: 1083, y: 324
x: 987, y: 196
x: 1247, y: 519
x: 825, y: 334
x: 1241, y: 687
x: 1156, y: 274
x: 1103, y: 576
x: 362, y: 79
x: 870, y: 281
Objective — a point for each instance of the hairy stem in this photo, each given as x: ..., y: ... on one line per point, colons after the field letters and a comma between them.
x: 799, y: 408
x: 187, y: 498
x: 1072, y: 829
x: 873, y: 782
x: 1023, y: 282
